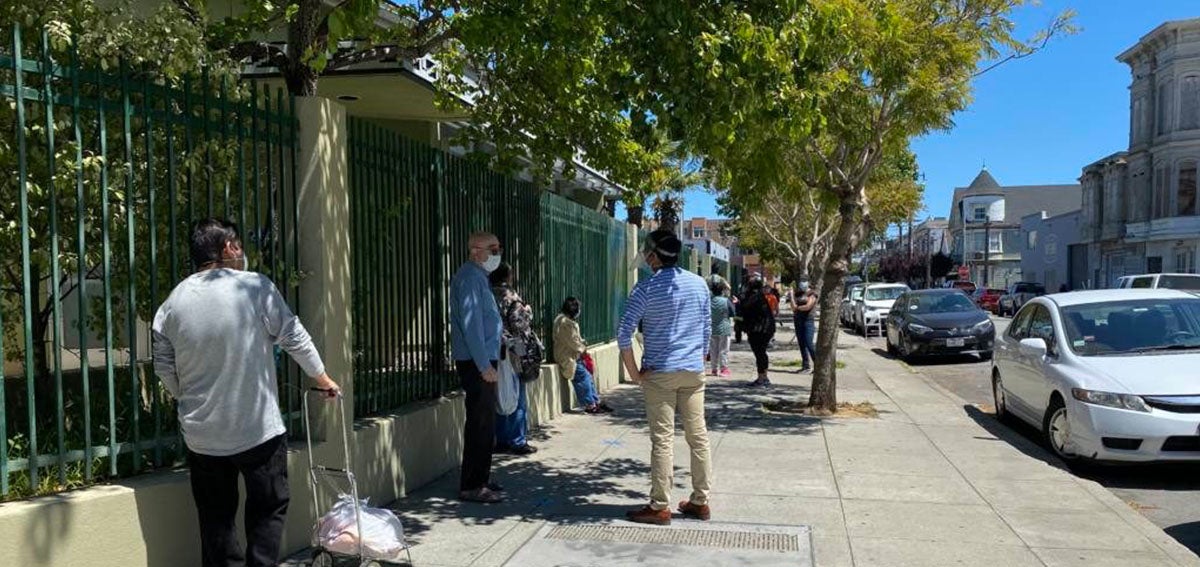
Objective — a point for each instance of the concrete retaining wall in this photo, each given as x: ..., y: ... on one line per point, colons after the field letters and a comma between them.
x: 151, y: 520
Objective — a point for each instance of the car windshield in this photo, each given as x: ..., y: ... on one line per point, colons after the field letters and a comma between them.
x: 884, y: 293
x: 1134, y: 326
x: 856, y: 294
x: 939, y: 303
x: 1180, y: 282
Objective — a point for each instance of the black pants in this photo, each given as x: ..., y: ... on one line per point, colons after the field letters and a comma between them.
x: 758, y: 344
x: 215, y: 489
x: 479, y: 432
x: 737, y: 332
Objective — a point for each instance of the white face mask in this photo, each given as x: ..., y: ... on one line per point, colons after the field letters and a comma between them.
x: 245, y: 262
x: 491, y: 263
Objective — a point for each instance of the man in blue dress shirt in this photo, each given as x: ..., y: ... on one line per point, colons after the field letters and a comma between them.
x: 673, y: 307
x: 475, y: 329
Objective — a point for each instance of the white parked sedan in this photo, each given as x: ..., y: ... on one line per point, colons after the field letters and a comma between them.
x: 1108, y: 375
x: 877, y: 300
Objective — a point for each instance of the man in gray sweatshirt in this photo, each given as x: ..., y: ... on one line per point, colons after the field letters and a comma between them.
x: 214, y: 341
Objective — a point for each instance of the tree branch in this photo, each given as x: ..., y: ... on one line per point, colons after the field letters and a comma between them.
x: 192, y: 13
x: 1059, y: 25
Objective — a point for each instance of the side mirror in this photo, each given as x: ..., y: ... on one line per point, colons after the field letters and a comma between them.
x: 1035, y: 347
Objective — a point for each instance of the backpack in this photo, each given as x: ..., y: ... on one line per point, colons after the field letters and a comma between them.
x: 526, y: 349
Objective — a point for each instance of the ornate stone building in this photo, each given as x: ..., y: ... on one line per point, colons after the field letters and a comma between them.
x: 1140, y: 210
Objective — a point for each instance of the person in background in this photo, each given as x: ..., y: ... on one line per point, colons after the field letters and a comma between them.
x: 804, y: 301
x: 475, y: 334
x: 569, y: 348
x: 758, y: 320
x: 722, y: 327
x: 675, y: 311
x: 518, y: 338
x: 737, y: 308
x: 213, y: 349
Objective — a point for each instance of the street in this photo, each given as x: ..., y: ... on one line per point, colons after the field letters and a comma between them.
x: 1169, y: 496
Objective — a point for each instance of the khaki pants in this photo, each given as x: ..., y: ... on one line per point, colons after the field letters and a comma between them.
x: 666, y: 392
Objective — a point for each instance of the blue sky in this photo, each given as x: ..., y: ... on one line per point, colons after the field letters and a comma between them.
x: 1038, y: 120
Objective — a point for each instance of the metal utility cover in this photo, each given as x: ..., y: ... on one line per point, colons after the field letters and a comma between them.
x: 569, y: 544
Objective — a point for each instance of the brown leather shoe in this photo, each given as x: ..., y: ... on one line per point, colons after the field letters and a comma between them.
x: 695, y: 511
x: 649, y: 515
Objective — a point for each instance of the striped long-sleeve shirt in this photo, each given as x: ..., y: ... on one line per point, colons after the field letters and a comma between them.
x: 674, y: 308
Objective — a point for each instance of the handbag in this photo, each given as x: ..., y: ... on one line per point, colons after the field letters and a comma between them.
x: 508, y: 388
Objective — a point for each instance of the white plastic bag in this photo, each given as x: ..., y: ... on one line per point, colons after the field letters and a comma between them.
x: 508, y: 387
x: 382, y: 534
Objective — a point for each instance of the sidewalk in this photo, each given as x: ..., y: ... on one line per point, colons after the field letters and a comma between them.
x: 931, y: 482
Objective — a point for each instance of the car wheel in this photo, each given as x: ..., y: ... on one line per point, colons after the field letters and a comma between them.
x: 891, y: 348
x: 322, y: 558
x: 1000, y: 399
x: 985, y: 355
x: 905, y: 350
x: 1056, y: 431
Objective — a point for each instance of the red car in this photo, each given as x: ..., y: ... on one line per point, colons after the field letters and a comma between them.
x: 987, y: 299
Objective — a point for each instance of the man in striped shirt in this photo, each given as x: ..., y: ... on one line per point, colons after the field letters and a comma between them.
x: 673, y: 308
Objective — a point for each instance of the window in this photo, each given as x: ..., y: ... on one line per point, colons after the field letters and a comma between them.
x: 884, y: 293
x: 697, y: 232
x: 1123, y: 326
x: 1031, y: 239
x: 979, y: 214
x: 1041, y: 326
x: 1154, y: 265
x: 1185, y: 261
x: 1190, y: 283
x: 977, y: 241
x: 1019, y: 329
x: 1146, y: 282
x: 1189, y: 103
x: 1162, y: 197
x: 995, y: 240
x: 1164, y: 107
x: 1138, y: 119
x: 1187, y: 189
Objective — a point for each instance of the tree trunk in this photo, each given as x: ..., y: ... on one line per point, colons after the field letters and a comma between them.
x: 823, y: 398
x: 300, y: 77
x: 44, y: 383
x: 635, y: 214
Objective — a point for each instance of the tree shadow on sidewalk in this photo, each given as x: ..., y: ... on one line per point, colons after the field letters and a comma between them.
x: 535, y: 490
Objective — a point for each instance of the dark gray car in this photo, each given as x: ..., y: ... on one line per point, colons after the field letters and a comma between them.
x: 937, y: 322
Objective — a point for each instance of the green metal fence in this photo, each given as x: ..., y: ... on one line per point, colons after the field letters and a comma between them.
x: 413, y: 209
x: 585, y: 257
x: 104, y: 171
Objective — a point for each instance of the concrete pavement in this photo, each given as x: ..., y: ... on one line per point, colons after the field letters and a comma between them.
x: 1166, y: 494
x: 928, y: 483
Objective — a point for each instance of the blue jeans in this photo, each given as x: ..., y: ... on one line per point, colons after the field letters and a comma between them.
x: 806, y: 331
x: 511, y: 428
x: 585, y: 387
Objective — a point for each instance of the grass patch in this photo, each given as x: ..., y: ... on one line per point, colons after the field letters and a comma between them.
x: 840, y: 365
x: 845, y: 409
